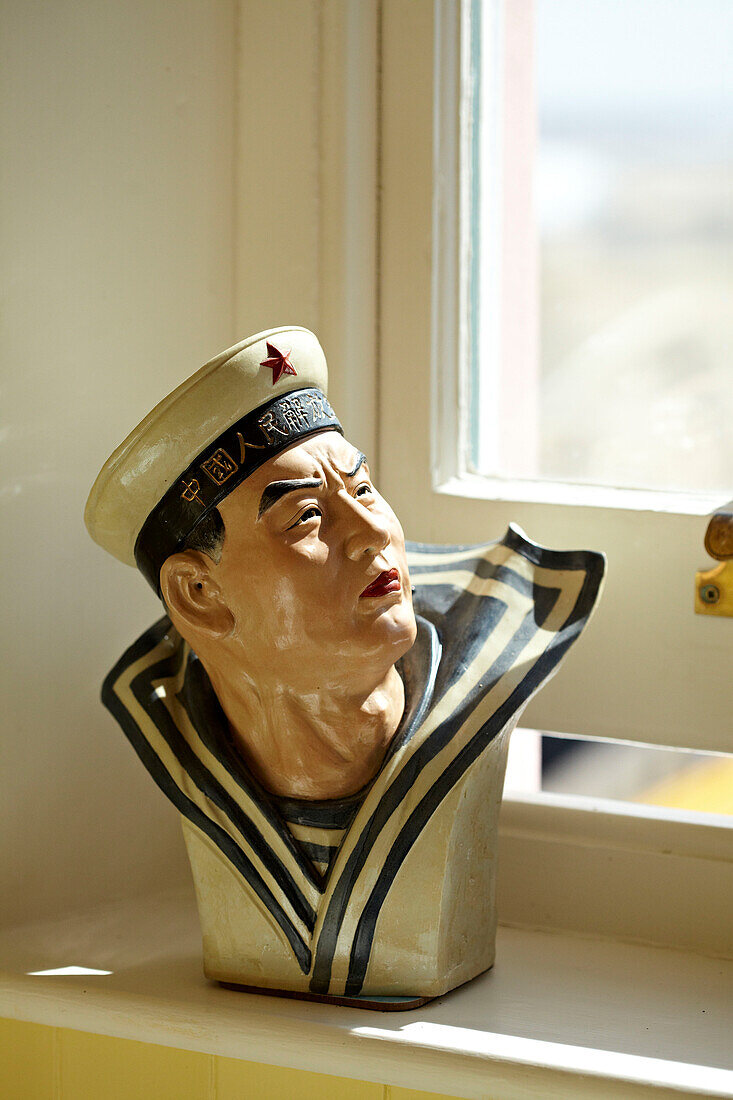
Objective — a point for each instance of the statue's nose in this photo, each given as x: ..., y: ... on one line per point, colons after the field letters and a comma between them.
x: 368, y: 533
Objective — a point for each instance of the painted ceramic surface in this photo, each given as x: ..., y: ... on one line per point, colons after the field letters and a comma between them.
x: 328, y: 708
x: 392, y: 892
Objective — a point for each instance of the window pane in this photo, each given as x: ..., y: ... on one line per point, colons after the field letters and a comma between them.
x: 633, y: 210
x: 618, y: 770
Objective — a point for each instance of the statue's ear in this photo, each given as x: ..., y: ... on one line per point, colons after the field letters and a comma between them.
x: 193, y: 596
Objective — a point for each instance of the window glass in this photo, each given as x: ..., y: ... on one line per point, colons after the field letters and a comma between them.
x: 646, y: 774
x: 633, y: 222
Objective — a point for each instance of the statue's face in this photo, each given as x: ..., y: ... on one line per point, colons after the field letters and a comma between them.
x: 306, y: 536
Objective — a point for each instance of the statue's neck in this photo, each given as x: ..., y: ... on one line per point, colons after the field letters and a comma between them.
x: 317, y: 746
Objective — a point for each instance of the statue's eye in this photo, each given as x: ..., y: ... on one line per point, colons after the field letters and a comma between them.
x: 310, y: 513
x: 364, y: 490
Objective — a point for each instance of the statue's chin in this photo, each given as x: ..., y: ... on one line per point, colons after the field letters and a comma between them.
x: 395, y: 632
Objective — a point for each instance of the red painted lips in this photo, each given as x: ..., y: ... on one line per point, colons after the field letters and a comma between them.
x: 386, y: 583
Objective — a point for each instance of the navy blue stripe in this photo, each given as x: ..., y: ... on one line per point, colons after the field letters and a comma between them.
x: 448, y: 548
x: 191, y: 811
x: 147, y: 641
x: 321, y: 853
x: 592, y: 563
x: 332, y: 814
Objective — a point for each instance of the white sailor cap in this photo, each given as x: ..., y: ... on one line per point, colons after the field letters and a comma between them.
x: 203, y: 439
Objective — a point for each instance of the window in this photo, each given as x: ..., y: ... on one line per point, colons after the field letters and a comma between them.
x: 601, y: 167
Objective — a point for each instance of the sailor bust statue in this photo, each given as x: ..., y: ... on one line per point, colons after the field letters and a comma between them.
x: 328, y: 708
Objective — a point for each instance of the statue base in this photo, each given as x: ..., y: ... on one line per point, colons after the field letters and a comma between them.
x: 376, y: 1004
x: 436, y: 927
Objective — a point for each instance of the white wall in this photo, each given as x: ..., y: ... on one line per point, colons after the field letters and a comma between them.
x: 117, y: 281
x: 306, y: 186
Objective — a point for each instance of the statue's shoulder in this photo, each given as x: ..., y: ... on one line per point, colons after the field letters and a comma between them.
x: 442, y: 574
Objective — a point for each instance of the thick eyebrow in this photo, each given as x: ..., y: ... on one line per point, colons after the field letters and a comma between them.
x: 360, y: 460
x: 277, y: 489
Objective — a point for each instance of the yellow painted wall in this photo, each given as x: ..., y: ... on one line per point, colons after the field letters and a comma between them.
x: 55, y: 1063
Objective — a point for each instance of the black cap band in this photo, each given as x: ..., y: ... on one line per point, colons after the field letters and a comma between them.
x: 224, y: 465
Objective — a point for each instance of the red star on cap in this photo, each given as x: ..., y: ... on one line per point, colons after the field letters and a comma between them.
x: 279, y: 363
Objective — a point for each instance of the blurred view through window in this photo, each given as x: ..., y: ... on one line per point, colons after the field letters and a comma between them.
x: 623, y: 127
x: 647, y: 775
x: 633, y: 210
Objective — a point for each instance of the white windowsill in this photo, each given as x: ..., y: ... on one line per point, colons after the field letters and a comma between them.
x: 523, y: 491
x: 559, y: 1016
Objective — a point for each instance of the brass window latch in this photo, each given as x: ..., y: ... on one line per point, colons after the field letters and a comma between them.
x: 714, y: 587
